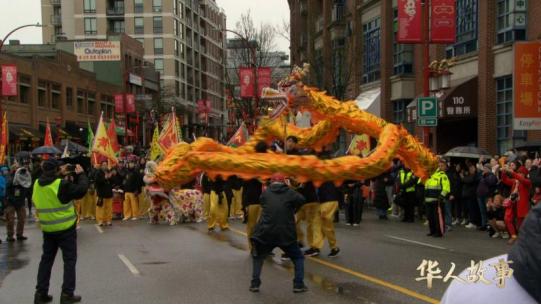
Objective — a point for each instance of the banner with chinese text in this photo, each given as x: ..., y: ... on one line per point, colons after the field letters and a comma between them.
x: 527, y: 86
x: 410, y: 21
x: 9, y: 80
x: 443, y: 19
x: 264, y: 79
x: 246, y: 82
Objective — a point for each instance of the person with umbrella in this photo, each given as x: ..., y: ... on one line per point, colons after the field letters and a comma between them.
x: 437, y: 190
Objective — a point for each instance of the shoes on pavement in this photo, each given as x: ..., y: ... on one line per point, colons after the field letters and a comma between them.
x: 395, y: 215
x: 348, y: 224
x: 100, y: 224
x: 496, y: 235
x: 511, y: 241
x: 301, y: 245
x: 505, y: 235
x: 456, y: 223
x: 108, y: 224
x: 437, y: 235
x: 471, y: 226
x: 141, y: 217
x: 448, y: 229
x: 134, y: 218
x: 70, y: 299
x: 254, y: 288
x: 334, y: 252
x: 93, y: 218
x: 22, y: 237
x: 311, y: 252
x: 78, y: 228
x: 298, y: 288
x: 231, y: 217
x: 126, y: 218
x: 464, y: 222
x: 211, y: 230
x: 426, y: 223
x: 481, y: 229
x: 225, y: 230
x: 42, y: 298
x: 430, y: 234
x: 10, y: 239
x: 285, y: 257
x: 355, y: 224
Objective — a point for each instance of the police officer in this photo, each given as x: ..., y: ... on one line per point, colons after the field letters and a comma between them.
x: 437, y: 189
x: 406, y: 190
x: 53, y: 197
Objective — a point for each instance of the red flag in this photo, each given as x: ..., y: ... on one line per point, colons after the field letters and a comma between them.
x: 239, y: 138
x: 9, y: 80
x: 410, y: 21
x: 4, y: 139
x: 48, y: 136
x: 169, y: 135
x: 443, y: 17
x: 246, y: 82
x: 112, y: 136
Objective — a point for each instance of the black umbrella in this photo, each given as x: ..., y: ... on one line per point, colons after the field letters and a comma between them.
x: 22, y: 154
x: 468, y: 152
x: 46, y: 150
x: 530, y: 145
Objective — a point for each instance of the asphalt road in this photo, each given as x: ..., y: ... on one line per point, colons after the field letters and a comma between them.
x: 185, y: 264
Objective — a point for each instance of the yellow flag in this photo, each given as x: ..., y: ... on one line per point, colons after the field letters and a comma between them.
x: 360, y: 145
x: 102, y: 144
x: 155, y: 148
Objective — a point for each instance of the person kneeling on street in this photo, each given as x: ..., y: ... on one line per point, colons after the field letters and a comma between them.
x: 276, y: 228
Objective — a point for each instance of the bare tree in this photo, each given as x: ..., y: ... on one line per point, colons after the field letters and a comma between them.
x: 166, y: 100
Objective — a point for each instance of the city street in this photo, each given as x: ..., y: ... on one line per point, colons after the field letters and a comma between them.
x: 134, y: 262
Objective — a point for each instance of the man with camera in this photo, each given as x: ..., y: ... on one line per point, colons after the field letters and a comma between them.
x: 53, y: 197
x: 17, y: 186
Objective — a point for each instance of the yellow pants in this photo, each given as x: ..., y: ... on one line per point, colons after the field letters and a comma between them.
x: 105, y: 212
x: 144, y: 203
x: 88, y: 206
x: 218, y: 212
x: 323, y: 225
x: 131, y: 206
x: 236, y: 205
x: 254, y: 211
x: 308, y: 213
x: 36, y: 216
x: 206, y: 205
x: 77, y: 204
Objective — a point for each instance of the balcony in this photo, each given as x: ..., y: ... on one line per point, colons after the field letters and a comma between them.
x: 189, y: 42
x: 319, y: 24
x: 189, y: 4
x: 56, y: 19
x: 338, y: 13
x: 189, y: 22
x: 56, y: 2
x: 115, y: 11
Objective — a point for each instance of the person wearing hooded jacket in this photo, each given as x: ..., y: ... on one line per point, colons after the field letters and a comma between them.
x: 131, y: 191
x: 4, y: 173
x: 17, y: 186
x: 276, y: 228
x: 521, y: 286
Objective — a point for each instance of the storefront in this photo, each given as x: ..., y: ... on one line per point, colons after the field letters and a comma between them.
x: 24, y: 138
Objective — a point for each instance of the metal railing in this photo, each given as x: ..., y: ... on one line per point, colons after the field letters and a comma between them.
x: 56, y: 19
x: 338, y: 12
x: 319, y: 24
x: 56, y: 2
x: 115, y: 11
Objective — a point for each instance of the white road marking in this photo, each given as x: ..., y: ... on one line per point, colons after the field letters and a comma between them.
x: 416, y: 242
x: 130, y: 266
x: 98, y: 228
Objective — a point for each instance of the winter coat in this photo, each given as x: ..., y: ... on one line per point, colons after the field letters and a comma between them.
x: 104, y: 186
x: 251, y: 192
x: 235, y: 182
x: 486, y: 185
x: 3, y: 185
x: 381, y: 201
x: 276, y: 225
x: 452, y: 181
x: 308, y: 191
x: 523, y: 204
x: 458, y: 186
x: 328, y: 192
x: 15, y: 194
x: 131, y: 181
x: 535, y: 176
x: 469, y: 185
x: 206, y: 184
x: 68, y: 191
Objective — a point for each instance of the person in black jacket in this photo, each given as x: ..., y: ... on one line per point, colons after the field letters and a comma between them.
x: 276, y: 228
x: 131, y: 191
x: 235, y: 208
x: 218, y: 205
x: 206, y: 185
x: 323, y: 222
x: 460, y: 201
x: 251, y: 193
x: 104, y: 188
x: 353, y: 202
x: 381, y: 200
x: 17, y: 186
x: 406, y: 193
x: 470, y: 181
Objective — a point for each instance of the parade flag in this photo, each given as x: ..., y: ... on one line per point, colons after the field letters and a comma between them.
x: 360, y: 145
x: 155, y: 149
x: 66, y: 153
x: 4, y: 139
x: 169, y: 135
x: 48, y: 139
x: 102, y: 144
x: 410, y: 21
x: 112, y: 136
x: 239, y: 138
x: 90, y: 139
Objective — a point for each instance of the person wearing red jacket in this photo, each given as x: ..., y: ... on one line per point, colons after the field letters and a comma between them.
x: 519, y: 209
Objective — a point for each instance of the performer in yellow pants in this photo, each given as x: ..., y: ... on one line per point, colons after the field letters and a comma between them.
x: 144, y: 203
x: 323, y: 225
x: 88, y: 206
x: 104, y: 214
x: 308, y: 213
x: 131, y: 206
x: 254, y: 211
x: 77, y: 204
x: 218, y: 211
x: 206, y: 206
x: 236, y: 205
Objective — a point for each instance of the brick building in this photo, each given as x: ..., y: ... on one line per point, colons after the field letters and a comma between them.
x: 386, y: 78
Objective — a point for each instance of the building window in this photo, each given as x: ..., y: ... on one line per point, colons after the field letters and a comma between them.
x: 175, y: 27
x: 158, y: 65
x: 466, y: 28
x: 69, y: 97
x: 339, y: 61
x: 177, y: 68
x: 91, y: 26
x: 371, y: 52
x: 511, y: 20
x: 90, y: 6
x: 181, y: 10
x: 138, y: 6
x: 158, y: 25
x: 80, y: 101
x: 91, y: 102
x: 118, y: 27
x: 318, y: 56
x: 175, y: 7
x: 504, y: 115
x: 158, y: 45
x: 181, y: 32
x: 157, y: 5
x: 139, y: 25
x: 56, y: 96
x: 182, y: 71
x: 42, y: 94
x: 402, y: 53
x: 400, y: 114
x: 24, y: 89
x: 142, y: 41
x: 176, y: 48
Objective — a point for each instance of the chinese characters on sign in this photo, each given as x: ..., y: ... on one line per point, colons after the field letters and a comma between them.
x: 9, y: 80
x: 429, y: 272
x: 527, y: 86
x: 247, y: 81
x: 443, y: 29
x: 410, y: 18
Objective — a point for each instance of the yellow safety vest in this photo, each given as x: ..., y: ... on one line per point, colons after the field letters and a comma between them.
x: 53, y: 215
x: 407, y: 178
x: 437, y: 185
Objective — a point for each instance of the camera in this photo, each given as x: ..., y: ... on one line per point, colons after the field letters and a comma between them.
x: 23, y: 170
x: 70, y: 167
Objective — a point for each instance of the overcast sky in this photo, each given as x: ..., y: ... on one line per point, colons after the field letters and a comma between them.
x: 19, y: 12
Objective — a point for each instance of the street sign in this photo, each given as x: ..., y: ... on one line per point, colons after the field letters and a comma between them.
x: 427, y: 122
x: 428, y: 107
x: 143, y: 97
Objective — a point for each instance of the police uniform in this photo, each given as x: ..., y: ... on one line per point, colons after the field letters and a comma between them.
x: 407, y: 182
x: 437, y: 189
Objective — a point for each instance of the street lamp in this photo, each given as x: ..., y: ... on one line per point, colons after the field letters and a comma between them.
x: 125, y: 100
x: 254, y: 63
x: 15, y: 30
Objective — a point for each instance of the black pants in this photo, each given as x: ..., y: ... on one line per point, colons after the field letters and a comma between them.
x: 433, y: 217
x: 292, y: 250
x: 67, y: 242
x: 354, y: 210
x: 409, y: 206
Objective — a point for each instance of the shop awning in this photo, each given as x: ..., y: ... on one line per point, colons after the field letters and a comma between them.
x: 63, y: 132
x: 25, y: 133
x: 369, y: 101
x: 460, y: 101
